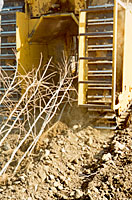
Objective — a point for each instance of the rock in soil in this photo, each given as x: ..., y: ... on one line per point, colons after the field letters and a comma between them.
x: 77, y: 163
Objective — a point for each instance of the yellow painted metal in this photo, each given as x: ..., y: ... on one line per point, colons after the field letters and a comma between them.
x: 29, y: 49
x: 123, y: 5
x: 127, y: 66
x: 114, y: 55
x: 52, y: 35
x: 82, y: 66
x: 125, y: 97
x: 28, y: 55
x: 121, y: 59
x: 54, y: 25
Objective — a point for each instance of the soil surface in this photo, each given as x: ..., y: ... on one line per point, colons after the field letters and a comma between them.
x: 71, y: 163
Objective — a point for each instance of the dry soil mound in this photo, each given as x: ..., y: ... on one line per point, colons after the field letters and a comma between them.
x: 72, y: 163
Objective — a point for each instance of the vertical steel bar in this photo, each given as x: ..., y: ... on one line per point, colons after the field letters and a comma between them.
x: 115, y: 12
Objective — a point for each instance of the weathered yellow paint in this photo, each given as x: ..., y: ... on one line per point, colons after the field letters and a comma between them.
x: 82, y: 67
x: 126, y: 96
x: 31, y: 40
x: 127, y: 69
x: 52, y: 26
x: 51, y: 35
x: 114, y: 55
x: 28, y: 55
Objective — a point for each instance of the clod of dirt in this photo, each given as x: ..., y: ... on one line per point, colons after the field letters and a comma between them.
x: 74, y: 164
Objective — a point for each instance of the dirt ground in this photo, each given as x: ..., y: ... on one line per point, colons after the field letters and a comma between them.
x: 71, y: 163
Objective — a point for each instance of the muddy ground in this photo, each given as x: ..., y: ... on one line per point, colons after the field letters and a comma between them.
x: 71, y: 163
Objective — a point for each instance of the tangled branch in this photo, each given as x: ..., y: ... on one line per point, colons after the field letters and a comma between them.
x: 44, y: 91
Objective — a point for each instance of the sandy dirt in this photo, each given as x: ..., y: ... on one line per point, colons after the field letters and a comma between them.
x: 71, y: 163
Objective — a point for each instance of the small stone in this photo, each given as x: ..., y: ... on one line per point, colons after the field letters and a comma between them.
x: 78, y: 194
x: 62, y: 178
x: 48, y: 162
x: 14, y: 163
x: 29, y: 198
x: 87, y: 155
x: 54, y: 190
x: 89, y: 192
x: 3, y: 179
x: 95, y: 190
x: 90, y: 128
x: 63, y: 150
x: 106, y: 157
x: 66, y: 182
x: 56, y: 156
x: 90, y: 141
x: 56, y: 184
x: 75, y: 161
x: 41, y: 150
x: 60, y: 142
x: 6, y: 147
x: 119, y: 152
x: 16, y: 182
x: 46, y: 168
x: 70, y: 166
x: 42, y: 174
x: 11, y: 187
x: 69, y: 179
x: 63, y: 196
x: 83, y: 148
x: 75, y: 127
x: 46, y: 140
x: 22, y: 178
x: 60, y: 187
x: 118, y: 145
x: 117, y: 176
x: 36, y: 187
x: 72, y: 193
x: 23, y: 190
x: 47, y: 152
x: 51, y: 177
x: 104, y: 146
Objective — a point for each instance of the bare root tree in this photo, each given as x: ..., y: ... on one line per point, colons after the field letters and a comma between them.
x: 43, y: 91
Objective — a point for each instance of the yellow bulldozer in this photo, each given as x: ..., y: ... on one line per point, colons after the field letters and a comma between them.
x: 95, y: 34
